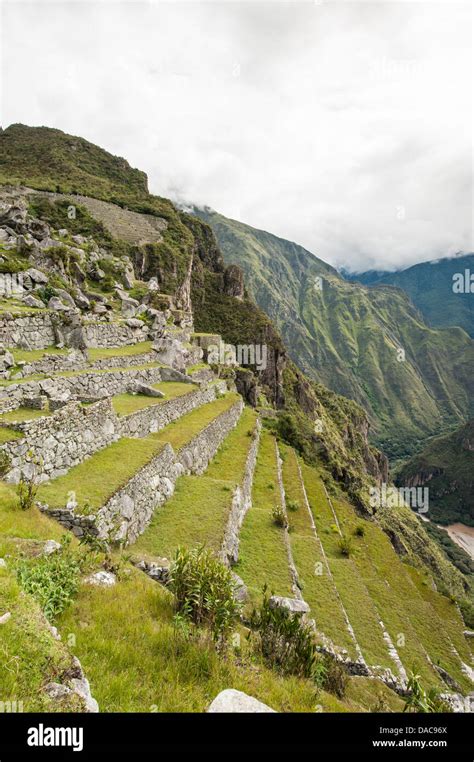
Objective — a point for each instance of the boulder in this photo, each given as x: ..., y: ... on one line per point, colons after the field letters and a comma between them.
x: 32, y: 301
x: 51, y: 546
x: 6, y: 359
x: 101, y: 579
x: 37, y: 276
x: 56, y: 304
x: 293, y: 605
x: 231, y: 700
x: 129, y: 307
x: 57, y: 691
x: 139, y: 388
x: 134, y: 323
x: 65, y: 297
x: 5, y: 617
x: 241, y: 592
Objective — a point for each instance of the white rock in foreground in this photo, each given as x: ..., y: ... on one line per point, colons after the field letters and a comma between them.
x: 231, y: 700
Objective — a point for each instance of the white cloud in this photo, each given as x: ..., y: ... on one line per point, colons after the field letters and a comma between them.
x: 346, y: 127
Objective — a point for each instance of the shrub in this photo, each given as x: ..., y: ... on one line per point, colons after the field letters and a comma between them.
x: 204, y: 590
x: 52, y: 580
x: 292, y: 505
x: 283, y: 640
x: 420, y: 700
x: 279, y: 516
x: 345, y: 545
x: 359, y: 530
x: 335, y: 677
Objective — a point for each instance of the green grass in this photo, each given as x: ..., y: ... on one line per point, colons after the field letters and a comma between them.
x: 197, y: 512
x: 29, y: 655
x: 402, y: 608
x: 262, y: 555
x: 23, y: 414
x: 137, y: 662
x: 8, y: 435
x: 127, y: 351
x: 124, y: 404
x: 318, y: 588
x: 99, y: 477
x: 196, y: 367
x: 31, y: 524
x: 181, y: 431
x: 33, y: 355
x: 355, y: 597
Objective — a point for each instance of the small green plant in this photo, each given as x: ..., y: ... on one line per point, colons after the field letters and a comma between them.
x: 27, y: 489
x: 359, y: 530
x: 52, y: 580
x: 292, y: 505
x: 283, y: 640
x: 345, y: 545
x: 204, y: 592
x: 279, y: 516
x: 5, y: 463
x: 420, y: 700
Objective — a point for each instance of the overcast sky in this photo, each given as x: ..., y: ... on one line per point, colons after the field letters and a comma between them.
x: 346, y: 127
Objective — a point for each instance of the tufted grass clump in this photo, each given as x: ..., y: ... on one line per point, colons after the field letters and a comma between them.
x: 345, y: 545
x: 204, y: 592
x: 292, y: 505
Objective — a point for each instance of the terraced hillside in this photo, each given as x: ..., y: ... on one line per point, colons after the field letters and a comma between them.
x: 126, y: 450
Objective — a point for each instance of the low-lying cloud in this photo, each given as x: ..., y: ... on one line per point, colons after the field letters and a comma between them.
x: 346, y: 127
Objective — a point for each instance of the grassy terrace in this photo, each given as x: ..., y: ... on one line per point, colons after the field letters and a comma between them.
x: 129, y: 403
x: 395, y: 587
x: 33, y: 355
x: 8, y: 435
x: 99, y: 477
x: 72, y: 373
x: 317, y: 585
x: 127, y: 351
x: 133, y: 656
x: 355, y: 597
x: 22, y: 414
x: 197, y: 512
x: 262, y: 555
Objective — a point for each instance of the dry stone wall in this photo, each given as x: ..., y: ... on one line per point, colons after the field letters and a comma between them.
x: 102, y: 335
x: 75, y: 432
x: 35, y: 331
x: 127, y: 513
x: 241, y: 502
x: 85, y: 385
